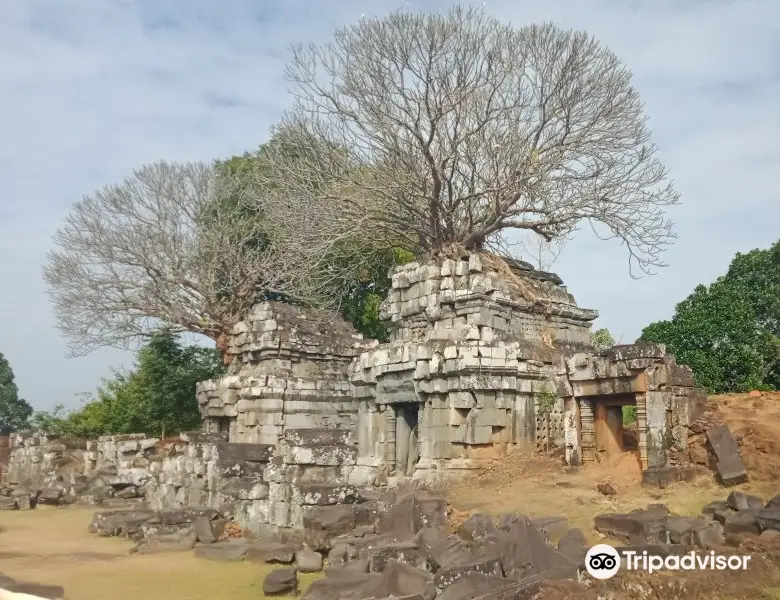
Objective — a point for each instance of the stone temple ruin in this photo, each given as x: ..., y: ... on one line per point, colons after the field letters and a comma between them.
x: 483, y: 354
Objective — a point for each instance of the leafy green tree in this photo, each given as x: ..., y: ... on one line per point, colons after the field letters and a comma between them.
x: 602, y: 339
x: 157, y: 397
x: 14, y: 411
x: 728, y: 332
x: 360, y: 266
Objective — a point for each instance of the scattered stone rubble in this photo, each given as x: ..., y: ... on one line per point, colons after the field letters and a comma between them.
x: 721, y: 523
x: 393, y: 544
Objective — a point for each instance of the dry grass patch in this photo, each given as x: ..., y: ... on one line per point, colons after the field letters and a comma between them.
x: 52, y: 546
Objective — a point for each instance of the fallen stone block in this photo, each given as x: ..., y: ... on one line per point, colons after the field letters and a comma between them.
x: 226, y: 551
x: 774, y: 502
x: 721, y: 515
x: 681, y: 528
x: 207, y: 530
x: 442, y: 550
x: 472, y: 585
x: 741, y: 501
x: 525, y: 589
x: 161, y: 546
x: 351, y: 568
x: 730, y: 468
x: 402, y: 552
x: 52, y: 496
x: 553, y: 527
x: 281, y: 581
x: 120, y: 523
x: 769, y: 518
x: 348, y: 586
x: 490, y: 565
x: 151, y: 532
x: 337, y: 554
x: 476, y: 528
x: 308, y: 561
x: 271, y: 552
x: 127, y: 492
x: 648, y: 526
x: 741, y: 523
x: 524, y: 550
x: 183, y: 516
x: 573, y: 546
x: 660, y: 477
x: 399, y: 521
x: 401, y: 580
x: 709, y: 537
x: 714, y: 506
x: 429, y: 511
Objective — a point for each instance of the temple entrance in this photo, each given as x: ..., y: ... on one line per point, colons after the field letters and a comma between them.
x: 614, y: 428
x: 406, y: 447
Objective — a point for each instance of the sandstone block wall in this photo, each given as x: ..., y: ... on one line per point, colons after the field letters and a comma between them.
x: 473, y: 347
x: 479, y: 299
x: 667, y: 403
x: 289, y: 370
x: 34, y: 456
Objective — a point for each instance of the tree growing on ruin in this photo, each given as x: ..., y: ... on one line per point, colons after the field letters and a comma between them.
x: 451, y: 130
x: 14, y: 411
x: 363, y: 264
x: 602, y: 339
x: 173, y: 245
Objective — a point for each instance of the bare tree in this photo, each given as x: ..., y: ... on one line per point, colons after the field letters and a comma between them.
x: 172, y: 245
x: 542, y: 254
x: 452, y: 129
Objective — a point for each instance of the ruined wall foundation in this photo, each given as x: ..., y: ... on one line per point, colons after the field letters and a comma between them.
x: 482, y: 354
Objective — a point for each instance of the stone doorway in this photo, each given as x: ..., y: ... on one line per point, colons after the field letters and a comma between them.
x: 406, y: 438
x: 612, y: 435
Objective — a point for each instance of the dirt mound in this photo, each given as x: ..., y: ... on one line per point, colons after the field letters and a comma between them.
x: 541, y: 485
x: 755, y: 422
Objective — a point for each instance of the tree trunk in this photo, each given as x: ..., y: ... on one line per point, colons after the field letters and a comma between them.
x: 223, y: 343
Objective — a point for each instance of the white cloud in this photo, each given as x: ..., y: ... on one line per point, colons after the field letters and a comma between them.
x: 92, y: 89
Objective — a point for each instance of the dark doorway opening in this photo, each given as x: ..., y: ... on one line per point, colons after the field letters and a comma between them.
x: 615, y: 431
x: 222, y: 424
x: 406, y: 446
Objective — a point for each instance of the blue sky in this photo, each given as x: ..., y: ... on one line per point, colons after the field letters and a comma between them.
x: 91, y: 89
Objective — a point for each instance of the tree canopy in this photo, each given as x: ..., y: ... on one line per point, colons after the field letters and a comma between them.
x: 357, y: 265
x: 602, y: 339
x: 729, y: 331
x: 14, y: 411
x: 157, y: 397
x: 408, y: 135
x: 451, y: 129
